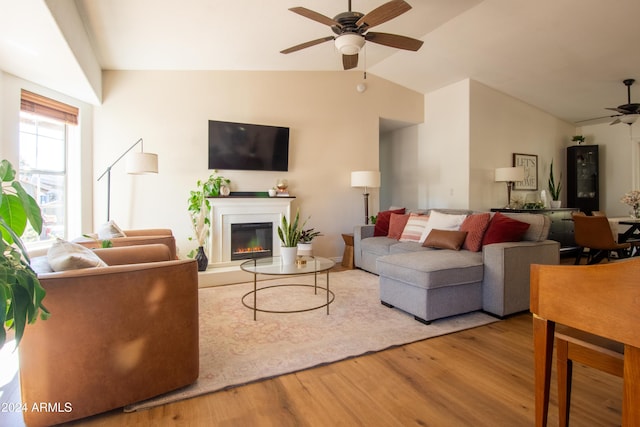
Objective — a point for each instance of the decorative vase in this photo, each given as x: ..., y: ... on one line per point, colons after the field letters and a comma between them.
x: 202, y: 259
x: 555, y: 204
x: 288, y: 255
x: 635, y: 212
x: 305, y: 249
x: 272, y: 192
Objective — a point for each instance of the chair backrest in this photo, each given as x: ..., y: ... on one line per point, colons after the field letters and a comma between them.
x: 602, y: 299
x: 593, y: 232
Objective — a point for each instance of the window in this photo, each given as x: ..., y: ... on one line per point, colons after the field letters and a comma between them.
x: 45, y: 130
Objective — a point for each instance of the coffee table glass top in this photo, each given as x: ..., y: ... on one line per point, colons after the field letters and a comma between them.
x: 273, y: 265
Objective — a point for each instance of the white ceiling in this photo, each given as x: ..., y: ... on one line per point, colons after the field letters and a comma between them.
x: 566, y: 57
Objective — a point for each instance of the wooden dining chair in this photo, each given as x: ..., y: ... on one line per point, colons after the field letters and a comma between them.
x: 602, y: 300
x: 594, y: 233
x: 574, y: 345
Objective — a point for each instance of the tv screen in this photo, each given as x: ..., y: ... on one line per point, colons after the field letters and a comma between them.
x: 242, y: 146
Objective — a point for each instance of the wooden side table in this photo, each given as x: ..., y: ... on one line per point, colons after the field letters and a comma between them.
x: 347, y: 257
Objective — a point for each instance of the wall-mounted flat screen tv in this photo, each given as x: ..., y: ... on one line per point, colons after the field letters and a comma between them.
x: 243, y: 146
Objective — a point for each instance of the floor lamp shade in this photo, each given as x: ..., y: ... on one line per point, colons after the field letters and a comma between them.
x: 365, y: 179
x: 142, y: 163
x: 138, y: 163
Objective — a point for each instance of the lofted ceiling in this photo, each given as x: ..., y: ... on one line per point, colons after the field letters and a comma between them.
x: 566, y: 57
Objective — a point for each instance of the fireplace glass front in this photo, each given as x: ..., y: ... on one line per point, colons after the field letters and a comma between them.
x: 251, y: 240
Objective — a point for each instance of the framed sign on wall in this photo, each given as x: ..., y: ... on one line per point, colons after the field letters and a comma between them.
x: 530, y: 164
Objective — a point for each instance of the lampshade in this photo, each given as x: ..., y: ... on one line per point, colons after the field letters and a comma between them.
x: 629, y: 118
x: 142, y: 163
x: 349, y: 43
x: 512, y: 174
x: 365, y: 179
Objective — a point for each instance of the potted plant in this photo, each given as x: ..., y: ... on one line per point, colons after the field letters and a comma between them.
x: 289, y: 233
x: 306, y: 239
x: 22, y: 294
x: 554, y: 188
x: 199, y: 208
x: 578, y: 138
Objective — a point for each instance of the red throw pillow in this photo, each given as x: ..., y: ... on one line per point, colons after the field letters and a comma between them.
x: 475, y: 225
x: 396, y: 225
x: 382, y: 223
x: 504, y: 229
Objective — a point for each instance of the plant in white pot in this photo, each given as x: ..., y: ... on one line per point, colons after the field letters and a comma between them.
x: 289, y: 233
x: 554, y: 189
x: 21, y: 294
x: 305, y: 245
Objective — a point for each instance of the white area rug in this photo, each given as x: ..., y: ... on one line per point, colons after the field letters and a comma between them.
x: 235, y: 349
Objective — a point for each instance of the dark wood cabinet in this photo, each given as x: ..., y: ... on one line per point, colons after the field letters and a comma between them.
x: 561, y: 229
x: 583, y: 189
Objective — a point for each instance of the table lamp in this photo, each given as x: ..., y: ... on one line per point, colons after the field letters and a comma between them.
x: 510, y: 176
x: 365, y: 179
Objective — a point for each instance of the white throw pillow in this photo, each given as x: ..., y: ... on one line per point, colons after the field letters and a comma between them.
x: 110, y: 230
x: 441, y: 221
x: 65, y: 255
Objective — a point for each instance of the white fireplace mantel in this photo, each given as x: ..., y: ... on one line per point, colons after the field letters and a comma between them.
x: 236, y: 210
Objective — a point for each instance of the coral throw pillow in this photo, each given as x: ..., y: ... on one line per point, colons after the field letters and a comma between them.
x: 475, y: 225
x: 397, y: 223
x: 414, y: 228
x: 382, y: 223
x: 504, y: 229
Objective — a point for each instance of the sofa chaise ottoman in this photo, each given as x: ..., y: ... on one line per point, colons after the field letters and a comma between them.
x: 434, y: 283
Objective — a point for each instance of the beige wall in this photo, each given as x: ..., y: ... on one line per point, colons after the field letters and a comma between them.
x: 469, y: 130
x: 502, y: 125
x: 334, y: 130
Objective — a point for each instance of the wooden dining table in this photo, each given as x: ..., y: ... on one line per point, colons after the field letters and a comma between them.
x: 601, y: 299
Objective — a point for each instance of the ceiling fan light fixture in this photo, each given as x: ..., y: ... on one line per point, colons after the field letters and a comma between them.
x: 629, y: 119
x: 349, y: 43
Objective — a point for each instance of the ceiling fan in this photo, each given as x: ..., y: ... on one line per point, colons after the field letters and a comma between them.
x: 629, y: 112
x: 352, y: 30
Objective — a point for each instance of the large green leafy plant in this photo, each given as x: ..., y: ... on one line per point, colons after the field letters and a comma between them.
x: 199, y: 206
x: 21, y: 294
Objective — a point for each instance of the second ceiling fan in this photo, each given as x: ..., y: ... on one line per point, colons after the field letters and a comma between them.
x: 351, y: 29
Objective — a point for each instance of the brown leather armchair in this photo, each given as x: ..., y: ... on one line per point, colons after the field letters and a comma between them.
x: 117, y: 335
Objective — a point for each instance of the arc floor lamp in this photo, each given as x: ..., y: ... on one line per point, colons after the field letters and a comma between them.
x: 137, y: 164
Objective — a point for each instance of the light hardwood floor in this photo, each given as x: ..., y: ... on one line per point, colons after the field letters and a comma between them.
x: 477, y: 377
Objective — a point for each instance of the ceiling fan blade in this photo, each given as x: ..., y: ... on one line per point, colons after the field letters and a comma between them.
x: 315, y: 16
x: 615, y: 122
x: 350, y: 61
x: 394, y: 40
x: 619, y: 110
x: 384, y: 13
x: 597, y: 118
x: 306, y: 44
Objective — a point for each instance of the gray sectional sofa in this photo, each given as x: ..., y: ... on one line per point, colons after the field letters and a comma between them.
x: 434, y: 283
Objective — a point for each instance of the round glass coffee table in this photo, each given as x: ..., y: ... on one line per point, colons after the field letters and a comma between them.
x: 273, y: 266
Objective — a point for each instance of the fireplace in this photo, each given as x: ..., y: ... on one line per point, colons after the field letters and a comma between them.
x: 251, y: 240
x: 226, y: 211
